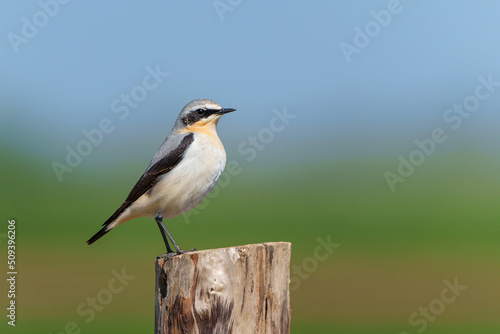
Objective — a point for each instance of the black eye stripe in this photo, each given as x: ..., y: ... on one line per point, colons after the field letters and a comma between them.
x: 195, y: 115
x: 205, y: 112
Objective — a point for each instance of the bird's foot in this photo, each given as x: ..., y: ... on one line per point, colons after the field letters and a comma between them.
x: 180, y: 251
x: 168, y: 255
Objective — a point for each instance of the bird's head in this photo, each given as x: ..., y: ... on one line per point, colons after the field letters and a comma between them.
x: 200, y: 115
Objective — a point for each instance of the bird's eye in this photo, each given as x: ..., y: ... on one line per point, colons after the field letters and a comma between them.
x: 200, y: 112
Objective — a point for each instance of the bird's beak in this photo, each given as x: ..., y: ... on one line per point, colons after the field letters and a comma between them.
x: 225, y: 111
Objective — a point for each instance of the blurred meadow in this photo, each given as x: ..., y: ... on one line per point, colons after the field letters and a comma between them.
x: 318, y: 177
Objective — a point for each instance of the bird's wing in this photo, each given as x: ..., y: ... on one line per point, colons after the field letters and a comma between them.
x: 159, y: 166
x: 162, y: 166
x: 151, y: 175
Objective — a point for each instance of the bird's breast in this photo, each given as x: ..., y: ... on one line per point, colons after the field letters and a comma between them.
x: 193, y: 178
x: 203, y: 161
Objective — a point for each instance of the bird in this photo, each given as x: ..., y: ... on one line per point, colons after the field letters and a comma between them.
x: 181, y: 174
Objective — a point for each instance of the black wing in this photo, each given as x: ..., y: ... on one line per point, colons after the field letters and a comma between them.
x: 147, y: 181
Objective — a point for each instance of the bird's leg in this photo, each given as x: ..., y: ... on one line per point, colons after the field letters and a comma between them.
x: 161, y: 225
x: 165, y: 240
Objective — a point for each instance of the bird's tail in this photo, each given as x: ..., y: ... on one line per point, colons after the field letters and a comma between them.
x: 98, y: 235
x: 110, y: 223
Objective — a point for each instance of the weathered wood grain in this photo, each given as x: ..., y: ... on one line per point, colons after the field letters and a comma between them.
x: 243, y: 289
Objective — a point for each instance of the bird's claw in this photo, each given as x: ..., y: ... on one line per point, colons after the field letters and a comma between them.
x: 180, y: 251
x: 167, y: 256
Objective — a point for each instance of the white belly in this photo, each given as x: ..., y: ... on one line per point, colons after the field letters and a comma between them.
x: 191, y: 180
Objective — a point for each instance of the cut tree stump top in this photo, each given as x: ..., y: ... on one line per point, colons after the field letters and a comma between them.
x: 242, y: 289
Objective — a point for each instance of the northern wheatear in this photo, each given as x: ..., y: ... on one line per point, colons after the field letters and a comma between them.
x: 181, y: 174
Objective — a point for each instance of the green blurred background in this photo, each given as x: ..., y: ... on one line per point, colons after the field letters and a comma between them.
x: 320, y: 177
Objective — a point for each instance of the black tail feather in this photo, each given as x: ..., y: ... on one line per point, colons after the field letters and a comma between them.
x: 110, y: 220
x: 98, y: 235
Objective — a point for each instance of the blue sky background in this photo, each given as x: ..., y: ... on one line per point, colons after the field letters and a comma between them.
x: 262, y: 55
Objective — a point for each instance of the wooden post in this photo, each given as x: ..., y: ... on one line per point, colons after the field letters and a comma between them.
x: 243, y: 289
